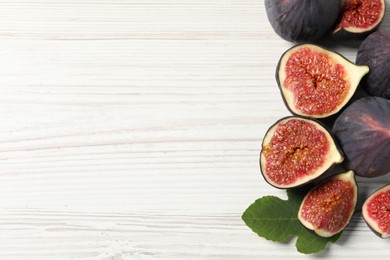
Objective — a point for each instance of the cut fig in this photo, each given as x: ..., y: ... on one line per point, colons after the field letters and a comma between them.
x: 359, y: 18
x: 328, y: 207
x: 302, y: 20
x: 376, y: 212
x: 374, y: 52
x: 363, y: 132
x: 316, y: 82
x: 295, y: 151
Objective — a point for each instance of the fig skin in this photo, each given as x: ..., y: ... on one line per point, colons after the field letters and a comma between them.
x: 374, y: 52
x: 355, y: 73
x: 313, y: 212
x: 333, y: 158
x: 302, y: 20
x: 356, y: 33
x: 373, y: 225
x: 362, y: 131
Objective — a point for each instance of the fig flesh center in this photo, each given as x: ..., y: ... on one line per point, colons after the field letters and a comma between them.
x: 311, y: 74
x: 361, y: 14
x: 379, y: 210
x: 291, y: 156
x: 329, y: 200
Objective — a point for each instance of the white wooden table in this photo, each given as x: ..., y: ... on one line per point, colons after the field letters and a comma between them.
x: 131, y: 129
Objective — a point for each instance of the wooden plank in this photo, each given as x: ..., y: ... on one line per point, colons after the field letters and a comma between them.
x: 132, y: 129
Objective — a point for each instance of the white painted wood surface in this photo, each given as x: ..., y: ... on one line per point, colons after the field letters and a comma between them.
x: 131, y: 130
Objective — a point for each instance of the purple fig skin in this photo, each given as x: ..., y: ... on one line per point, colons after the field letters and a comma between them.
x: 363, y: 132
x: 344, y: 35
x: 302, y: 20
x: 374, y: 52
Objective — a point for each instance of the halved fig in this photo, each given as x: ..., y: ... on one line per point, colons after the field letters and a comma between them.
x: 374, y: 52
x: 316, y: 82
x: 376, y: 212
x: 297, y: 150
x: 302, y: 20
x: 359, y: 18
x: 363, y: 132
x: 328, y: 207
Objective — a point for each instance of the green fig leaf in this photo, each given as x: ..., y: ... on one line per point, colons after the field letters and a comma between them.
x: 277, y: 220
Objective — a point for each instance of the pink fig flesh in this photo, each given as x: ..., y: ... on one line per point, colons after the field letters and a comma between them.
x: 328, y: 207
x: 376, y: 211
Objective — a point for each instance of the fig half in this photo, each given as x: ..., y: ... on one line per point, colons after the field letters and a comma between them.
x: 359, y: 18
x: 302, y: 20
x: 374, y: 52
x: 376, y: 212
x: 297, y: 150
x: 316, y: 82
x: 328, y: 207
x: 363, y: 132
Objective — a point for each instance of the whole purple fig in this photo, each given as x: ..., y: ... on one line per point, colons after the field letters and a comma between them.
x: 302, y: 20
x: 362, y: 131
x: 374, y: 52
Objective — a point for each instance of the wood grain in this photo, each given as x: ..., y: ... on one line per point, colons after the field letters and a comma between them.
x: 131, y: 130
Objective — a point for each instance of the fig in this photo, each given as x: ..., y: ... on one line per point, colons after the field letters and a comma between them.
x: 297, y: 150
x: 376, y: 212
x: 328, y: 207
x: 374, y: 52
x: 316, y: 82
x: 363, y: 132
x: 359, y: 18
x: 302, y: 20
